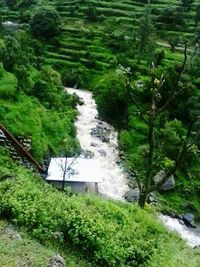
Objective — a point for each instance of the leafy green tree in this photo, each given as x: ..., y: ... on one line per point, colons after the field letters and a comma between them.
x: 49, y: 90
x: 186, y: 4
x: 45, y: 23
x: 12, y: 53
x: 11, y: 3
x: 26, y: 3
x: 146, y: 36
x: 91, y: 13
x: 197, y: 16
x: 172, y: 17
x: 173, y: 40
x: 167, y: 140
x: 111, y: 96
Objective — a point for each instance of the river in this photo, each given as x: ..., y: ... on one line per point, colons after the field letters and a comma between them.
x: 99, y: 140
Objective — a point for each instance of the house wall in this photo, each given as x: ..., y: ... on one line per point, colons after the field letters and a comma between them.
x: 77, y: 187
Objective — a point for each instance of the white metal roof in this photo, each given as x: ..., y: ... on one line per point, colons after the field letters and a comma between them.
x: 78, y: 170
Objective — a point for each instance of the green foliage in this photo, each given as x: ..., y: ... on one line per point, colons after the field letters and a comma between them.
x: 111, y: 96
x: 172, y: 16
x: 91, y: 13
x: 49, y: 90
x: 110, y: 233
x: 146, y: 36
x: 8, y: 84
x: 49, y: 130
x: 45, y: 23
x: 18, y: 248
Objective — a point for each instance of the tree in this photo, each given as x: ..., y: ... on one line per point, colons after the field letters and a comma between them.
x: 111, y: 96
x: 45, y: 23
x: 49, y: 90
x: 146, y: 41
x: 186, y: 4
x: 173, y: 41
x: 197, y: 16
x: 11, y: 3
x: 168, y: 141
x: 172, y: 17
x: 91, y: 13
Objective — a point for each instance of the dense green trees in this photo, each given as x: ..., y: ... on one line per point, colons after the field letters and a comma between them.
x: 111, y: 96
x: 49, y: 90
x: 172, y: 16
x: 45, y: 23
x: 197, y: 15
x: 33, y: 100
x: 146, y: 36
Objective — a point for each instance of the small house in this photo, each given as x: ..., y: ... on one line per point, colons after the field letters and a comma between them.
x: 81, y: 174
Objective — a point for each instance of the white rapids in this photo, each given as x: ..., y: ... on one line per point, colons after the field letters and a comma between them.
x: 191, y: 235
x: 114, y: 180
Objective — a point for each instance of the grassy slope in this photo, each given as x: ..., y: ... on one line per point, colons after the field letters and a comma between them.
x: 17, y: 248
x: 107, y: 232
x: 25, y: 115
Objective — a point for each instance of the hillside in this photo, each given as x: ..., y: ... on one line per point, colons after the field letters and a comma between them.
x: 142, y: 63
x: 99, y: 35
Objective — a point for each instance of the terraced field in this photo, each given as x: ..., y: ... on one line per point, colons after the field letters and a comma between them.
x: 81, y: 47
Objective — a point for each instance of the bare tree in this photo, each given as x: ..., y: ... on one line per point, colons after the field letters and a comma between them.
x: 66, y: 169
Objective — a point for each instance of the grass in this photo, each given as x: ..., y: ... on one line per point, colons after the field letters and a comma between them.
x: 18, y: 248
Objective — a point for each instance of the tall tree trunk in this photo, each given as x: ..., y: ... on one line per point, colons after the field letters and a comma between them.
x: 142, y: 198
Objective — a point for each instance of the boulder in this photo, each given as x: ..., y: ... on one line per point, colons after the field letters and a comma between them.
x: 152, y: 198
x: 168, y: 185
x: 57, y: 261
x: 101, y: 132
x: 188, y: 218
x: 88, y: 154
x: 105, y: 139
x: 94, y: 144
x: 102, y: 152
x: 132, y: 195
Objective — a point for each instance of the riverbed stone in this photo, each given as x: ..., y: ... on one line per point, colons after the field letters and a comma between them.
x: 102, y: 152
x: 88, y: 154
x: 132, y: 195
x: 94, y: 144
x: 188, y: 218
x: 101, y: 132
x: 152, y: 198
x: 57, y: 261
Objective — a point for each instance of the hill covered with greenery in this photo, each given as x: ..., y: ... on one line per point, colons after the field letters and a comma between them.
x: 141, y: 60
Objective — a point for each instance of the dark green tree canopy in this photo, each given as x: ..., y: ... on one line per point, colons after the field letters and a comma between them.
x: 45, y: 23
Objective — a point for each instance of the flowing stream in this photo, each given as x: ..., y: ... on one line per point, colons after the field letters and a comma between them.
x: 191, y: 235
x: 99, y: 140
